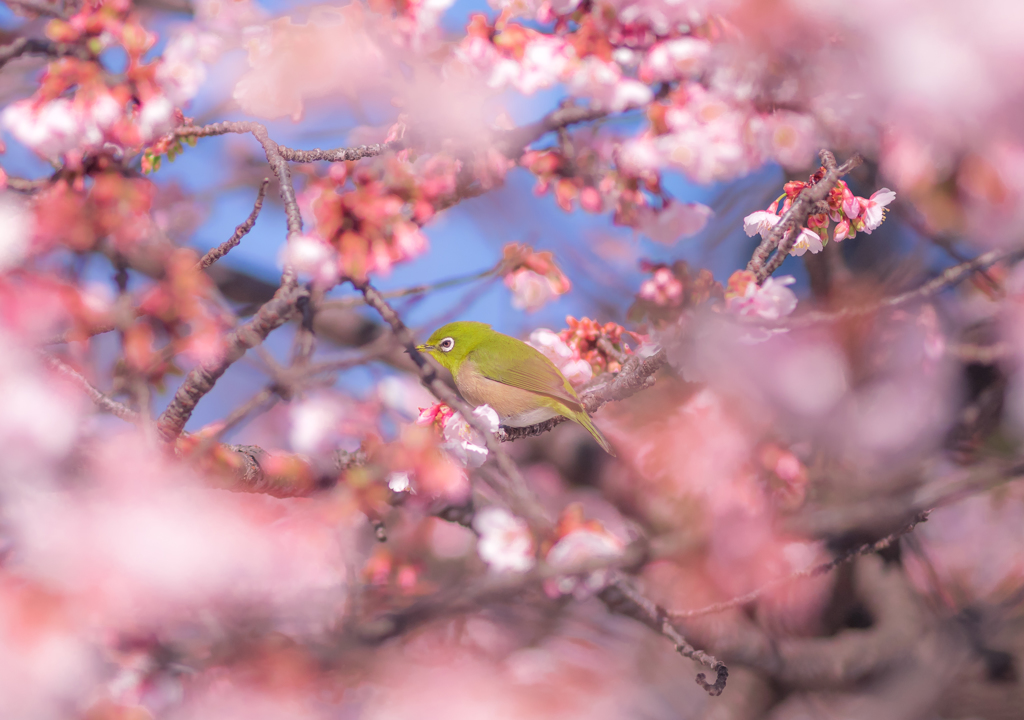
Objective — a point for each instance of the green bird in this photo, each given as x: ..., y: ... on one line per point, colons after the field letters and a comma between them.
x: 514, y: 378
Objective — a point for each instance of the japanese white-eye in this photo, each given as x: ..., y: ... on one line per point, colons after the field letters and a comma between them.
x: 522, y: 385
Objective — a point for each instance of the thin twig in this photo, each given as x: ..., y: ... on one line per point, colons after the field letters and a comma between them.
x: 358, y: 300
x: 947, y: 279
x: 816, y: 571
x: 241, y: 231
x: 102, y: 401
x: 623, y: 597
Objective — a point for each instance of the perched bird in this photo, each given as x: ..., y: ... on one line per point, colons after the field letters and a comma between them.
x: 515, y: 379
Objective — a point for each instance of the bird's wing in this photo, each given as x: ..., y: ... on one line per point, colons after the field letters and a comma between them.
x: 534, y: 372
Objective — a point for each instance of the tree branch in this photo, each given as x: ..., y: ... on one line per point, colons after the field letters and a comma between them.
x: 201, y: 379
x: 241, y: 231
x: 786, y: 232
x: 40, y: 46
x: 103, y: 402
x: 339, y: 154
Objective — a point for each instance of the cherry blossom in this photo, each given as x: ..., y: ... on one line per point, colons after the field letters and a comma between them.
x: 772, y: 300
x: 672, y: 59
x: 587, y: 543
x: 874, y: 208
x: 576, y: 370
x: 464, y: 442
x: 530, y: 291
x: 506, y: 543
x: 807, y: 240
x: 15, y: 231
x: 604, y: 84
x: 533, y: 277
x: 662, y: 288
x: 760, y: 222
x: 311, y: 256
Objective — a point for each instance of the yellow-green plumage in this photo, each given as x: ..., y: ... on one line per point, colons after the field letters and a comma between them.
x: 514, y: 378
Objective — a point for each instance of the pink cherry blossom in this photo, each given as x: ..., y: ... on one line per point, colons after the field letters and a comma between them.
x: 761, y: 222
x: 807, y: 240
x: 874, y: 208
x: 545, y: 61
x: 530, y: 291
x: 15, y: 231
x: 578, y: 547
x: 842, y: 231
x: 639, y: 155
x: 506, y: 543
x: 183, y: 67
x: 662, y: 288
x: 772, y: 300
x: 463, y: 442
x: 673, y: 59
x: 576, y: 370
x: 51, y: 130
x: 312, y: 257
x: 156, y: 118
x: 604, y: 84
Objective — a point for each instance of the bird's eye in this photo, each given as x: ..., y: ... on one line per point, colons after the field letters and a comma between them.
x: 446, y: 344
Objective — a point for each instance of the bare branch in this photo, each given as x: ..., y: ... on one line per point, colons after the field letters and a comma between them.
x: 201, y: 380
x: 621, y: 596
x: 513, y: 142
x: 103, y: 402
x: 241, y: 231
x: 39, y: 46
x: 339, y: 154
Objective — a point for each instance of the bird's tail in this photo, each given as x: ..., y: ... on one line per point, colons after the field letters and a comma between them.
x: 584, y: 420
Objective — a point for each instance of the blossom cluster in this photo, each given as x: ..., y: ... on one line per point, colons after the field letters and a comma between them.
x: 376, y: 223
x: 462, y: 441
x: 509, y: 54
x: 75, y: 215
x: 600, y: 346
x: 81, y: 107
x: 671, y: 290
x: 533, y: 277
x: 506, y: 544
x: 772, y: 300
x: 852, y: 214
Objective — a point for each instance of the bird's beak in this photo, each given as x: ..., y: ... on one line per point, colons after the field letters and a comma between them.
x: 424, y: 348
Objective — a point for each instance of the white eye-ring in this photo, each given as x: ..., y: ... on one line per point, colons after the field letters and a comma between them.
x: 446, y: 344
